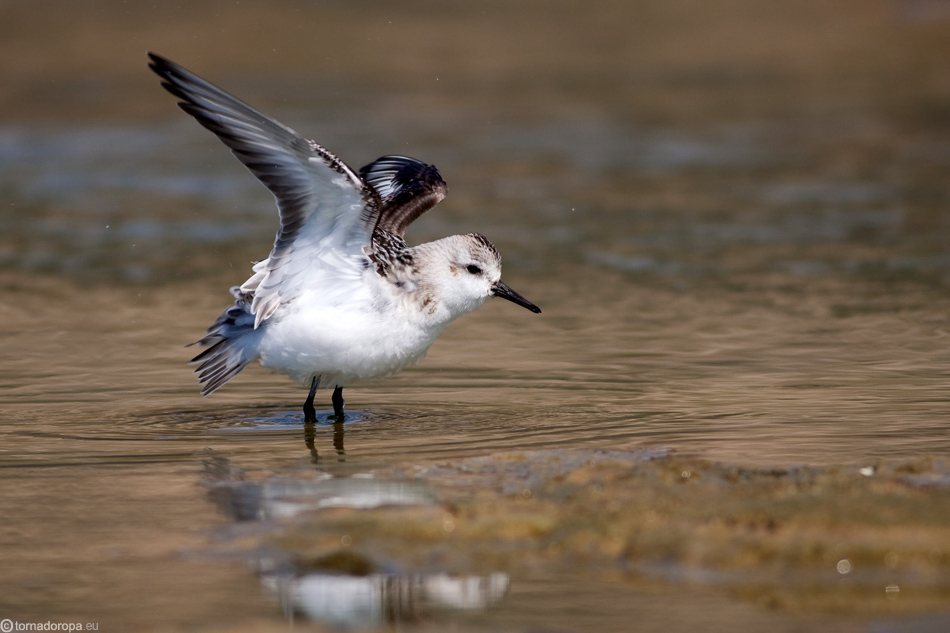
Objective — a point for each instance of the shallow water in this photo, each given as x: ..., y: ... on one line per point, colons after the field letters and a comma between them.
x: 735, y: 223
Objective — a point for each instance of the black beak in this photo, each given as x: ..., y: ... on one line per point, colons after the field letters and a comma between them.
x: 503, y: 291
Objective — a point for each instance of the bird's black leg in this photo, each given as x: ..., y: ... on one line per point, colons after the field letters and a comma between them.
x: 309, y: 414
x: 338, y: 403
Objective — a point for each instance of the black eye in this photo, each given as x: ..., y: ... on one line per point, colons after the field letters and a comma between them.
x: 475, y: 270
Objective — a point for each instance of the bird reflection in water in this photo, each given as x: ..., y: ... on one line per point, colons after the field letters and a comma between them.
x: 310, y: 437
x: 361, y: 601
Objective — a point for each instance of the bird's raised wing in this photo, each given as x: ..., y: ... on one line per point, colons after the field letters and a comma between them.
x: 407, y: 187
x: 327, y: 212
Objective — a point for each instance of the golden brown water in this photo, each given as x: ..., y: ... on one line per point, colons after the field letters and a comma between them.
x: 734, y: 216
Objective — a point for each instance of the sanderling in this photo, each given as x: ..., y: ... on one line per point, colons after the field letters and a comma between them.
x: 342, y: 297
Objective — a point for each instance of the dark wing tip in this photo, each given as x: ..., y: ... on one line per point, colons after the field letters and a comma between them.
x: 164, y: 68
x: 407, y: 187
x: 391, y: 173
x: 175, y: 79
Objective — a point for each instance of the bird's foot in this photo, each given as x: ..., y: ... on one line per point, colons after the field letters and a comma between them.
x: 309, y: 413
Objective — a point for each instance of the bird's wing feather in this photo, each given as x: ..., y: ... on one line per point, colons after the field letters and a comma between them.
x: 407, y: 187
x: 327, y: 212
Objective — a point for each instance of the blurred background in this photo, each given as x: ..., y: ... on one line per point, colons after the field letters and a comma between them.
x: 620, y: 131
x: 735, y: 216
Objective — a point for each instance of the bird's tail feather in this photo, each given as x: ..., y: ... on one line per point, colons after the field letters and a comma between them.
x: 231, y: 344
